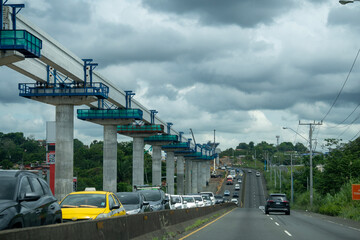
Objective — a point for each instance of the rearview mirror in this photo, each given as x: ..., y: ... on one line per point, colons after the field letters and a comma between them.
x: 30, y: 197
x: 116, y: 206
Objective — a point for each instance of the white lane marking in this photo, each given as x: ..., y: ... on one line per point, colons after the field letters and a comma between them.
x: 277, y: 224
x: 287, y: 233
x: 271, y: 217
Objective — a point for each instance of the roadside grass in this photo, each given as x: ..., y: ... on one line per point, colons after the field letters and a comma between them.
x: 339, y: 204
x: 200, y: 222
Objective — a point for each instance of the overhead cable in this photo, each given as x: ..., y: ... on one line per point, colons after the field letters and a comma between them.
x: 337, y: 97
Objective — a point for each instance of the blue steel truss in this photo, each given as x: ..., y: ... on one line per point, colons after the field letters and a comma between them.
x: 29, y: 90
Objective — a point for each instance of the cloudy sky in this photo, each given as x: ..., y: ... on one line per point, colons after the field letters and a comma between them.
x: 245, y: 68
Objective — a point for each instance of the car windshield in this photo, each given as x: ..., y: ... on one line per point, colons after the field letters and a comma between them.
x: 7, y: 186
x: 175, y: 200
x: 85, y: 200
x: 127, y: 199
x: 152, y: 195
x: 278, y: 198
x: 206, y: 197
x: 198, y: 198
x: 188, y: 199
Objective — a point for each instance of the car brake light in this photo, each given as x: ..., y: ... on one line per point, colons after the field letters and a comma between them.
x: 286, y: 201
x: 270, y: 201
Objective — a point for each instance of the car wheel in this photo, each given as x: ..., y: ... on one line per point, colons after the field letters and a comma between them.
x: 266, y: 212
x: 287, y: 213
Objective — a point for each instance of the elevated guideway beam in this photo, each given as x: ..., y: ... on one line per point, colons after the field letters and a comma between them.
x: 57, y: 56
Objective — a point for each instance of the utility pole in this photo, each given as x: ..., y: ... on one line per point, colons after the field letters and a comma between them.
x: 214, y: 151
x: 280, y: 177
x: 255, y: 158
x: 311, y: 125
x: 292, y: 180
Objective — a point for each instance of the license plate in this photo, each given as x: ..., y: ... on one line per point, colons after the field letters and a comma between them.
x: 277, y: 203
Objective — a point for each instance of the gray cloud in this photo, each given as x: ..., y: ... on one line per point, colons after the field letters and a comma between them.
x: 244, y: 13
x: 345, y: 15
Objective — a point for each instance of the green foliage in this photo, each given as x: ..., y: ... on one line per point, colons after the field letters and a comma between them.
x: 15, y: 149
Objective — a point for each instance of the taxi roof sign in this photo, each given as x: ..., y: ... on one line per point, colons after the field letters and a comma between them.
x: 356, y: 192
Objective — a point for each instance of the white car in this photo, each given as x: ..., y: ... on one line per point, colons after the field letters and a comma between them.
x: 237, y: 187
x: 199, y: 201
x: 258, y: 174
x: 189, y: 201
x: 207, y: 200
x: 176, y: 202
x: 211, y: 195
x: 234, y: 200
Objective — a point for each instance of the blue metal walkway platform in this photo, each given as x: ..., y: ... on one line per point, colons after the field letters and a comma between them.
x: 29, y: 90
x: 22, y: 41
x: 89, y: 114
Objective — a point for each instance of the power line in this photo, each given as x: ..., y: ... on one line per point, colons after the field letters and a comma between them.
x: 358, y: 116
x: 337, y: 97
x: 355, y: 136
x: 338, y: 125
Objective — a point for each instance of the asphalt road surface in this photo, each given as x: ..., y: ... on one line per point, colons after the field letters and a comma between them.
x: 250, y: 221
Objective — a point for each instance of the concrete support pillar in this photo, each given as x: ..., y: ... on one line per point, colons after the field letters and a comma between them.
x: 110, y: 158
x: 138, y: 161
x: 170, y: 172
x: 199, y: 176
x: 208, y: 168
x: 204, y: 170
x: 188, y: 177
x: 194, y: 177
x: 64, y: 157
x: 156, y: 165
x: 180, y: 175
x: 217, y: 161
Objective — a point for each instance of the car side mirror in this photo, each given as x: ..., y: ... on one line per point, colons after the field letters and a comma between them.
x: 145, y: 203
x: 185, y: 202
x: 116, y: 206
x: 29, y: 197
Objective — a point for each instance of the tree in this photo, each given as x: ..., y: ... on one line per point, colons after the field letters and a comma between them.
x: 300, y: 148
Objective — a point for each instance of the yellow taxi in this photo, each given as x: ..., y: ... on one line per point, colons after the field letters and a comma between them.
x: 88, y: 205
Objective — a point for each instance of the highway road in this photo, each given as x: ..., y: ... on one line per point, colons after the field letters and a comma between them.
x: 250, y: 222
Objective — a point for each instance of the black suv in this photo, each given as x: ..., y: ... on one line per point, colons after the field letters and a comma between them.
x: 133, y: 202
x: 26, y: 200
x: 155, y: 197
x: 277, y: 202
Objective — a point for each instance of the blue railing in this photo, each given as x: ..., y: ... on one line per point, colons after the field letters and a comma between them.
x: 134, y: 129
x: 162, y: 138
x: 84, y: 114
x: 177, y: 145
x: 22, y: 41
x: 99, y: 90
